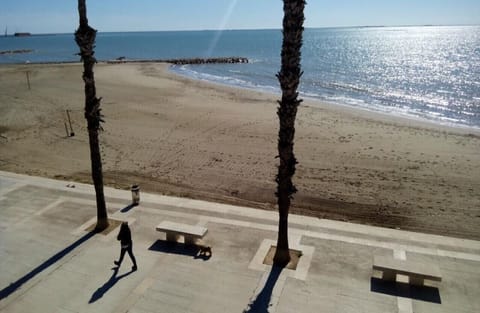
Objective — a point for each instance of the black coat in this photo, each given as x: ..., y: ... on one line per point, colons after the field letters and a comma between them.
x: 125, y: 236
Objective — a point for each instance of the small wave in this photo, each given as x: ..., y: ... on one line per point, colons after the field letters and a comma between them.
x: 310, y: 94
x: 253, y: 61
x: 349, y: 87
x: 225, y: 80
x: 445, y: 91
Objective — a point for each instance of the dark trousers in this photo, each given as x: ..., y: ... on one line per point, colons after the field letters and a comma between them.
x: 129, y: 249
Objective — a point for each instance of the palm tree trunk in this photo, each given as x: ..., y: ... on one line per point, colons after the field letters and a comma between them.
x: 85, y: 38
x: 289, y: 78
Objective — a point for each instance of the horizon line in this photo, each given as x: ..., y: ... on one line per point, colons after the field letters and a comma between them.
x: 243, y: 29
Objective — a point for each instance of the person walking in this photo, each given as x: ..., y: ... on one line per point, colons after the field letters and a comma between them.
x: 125, y: 237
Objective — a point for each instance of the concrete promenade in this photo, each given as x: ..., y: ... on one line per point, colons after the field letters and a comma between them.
x: 49, y: 262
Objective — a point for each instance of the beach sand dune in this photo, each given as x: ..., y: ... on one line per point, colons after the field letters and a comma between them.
x: 177, y: 136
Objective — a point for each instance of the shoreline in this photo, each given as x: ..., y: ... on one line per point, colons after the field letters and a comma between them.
x: 381, y: 114
x: 366, y: 112
x: 178, y: 136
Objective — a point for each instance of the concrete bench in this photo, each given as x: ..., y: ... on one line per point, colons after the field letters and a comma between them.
x: 416, y: 272
x: 189, y: 232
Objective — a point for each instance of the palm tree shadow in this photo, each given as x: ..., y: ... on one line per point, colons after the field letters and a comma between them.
x: 108, y: 284
x: 262, y: 301
x: 7, y: 291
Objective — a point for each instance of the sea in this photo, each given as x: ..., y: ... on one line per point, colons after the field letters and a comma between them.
x: 429, y: 73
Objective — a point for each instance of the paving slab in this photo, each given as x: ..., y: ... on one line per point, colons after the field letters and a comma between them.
x: 50, y: 263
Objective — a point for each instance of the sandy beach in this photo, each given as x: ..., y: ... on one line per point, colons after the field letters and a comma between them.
x: 176, y: 136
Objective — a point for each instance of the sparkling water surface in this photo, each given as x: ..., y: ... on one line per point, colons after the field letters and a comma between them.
x: 431, y: 73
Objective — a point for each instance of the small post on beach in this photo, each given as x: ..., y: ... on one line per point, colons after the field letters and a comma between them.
x: 70, y: 123
x: 28, y: 80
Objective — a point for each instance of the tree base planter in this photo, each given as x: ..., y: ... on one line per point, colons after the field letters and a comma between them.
x: 294, y: 258
x: 112, y: 224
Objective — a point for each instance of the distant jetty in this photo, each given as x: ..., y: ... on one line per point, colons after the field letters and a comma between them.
x: 121, y: 60
x: 16, y: 51
x: 184, y: 61
x: 22, y: 34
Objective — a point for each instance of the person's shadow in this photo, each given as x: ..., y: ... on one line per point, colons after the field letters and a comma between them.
x: 109, y: 284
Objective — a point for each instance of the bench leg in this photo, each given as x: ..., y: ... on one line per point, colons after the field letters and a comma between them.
x: 172, y: 237
x: 417, y: 281
x: 190, y: 240
x: 389, y: 276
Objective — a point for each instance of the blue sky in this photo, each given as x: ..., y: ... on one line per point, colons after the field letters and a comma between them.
x: 60, y: 16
